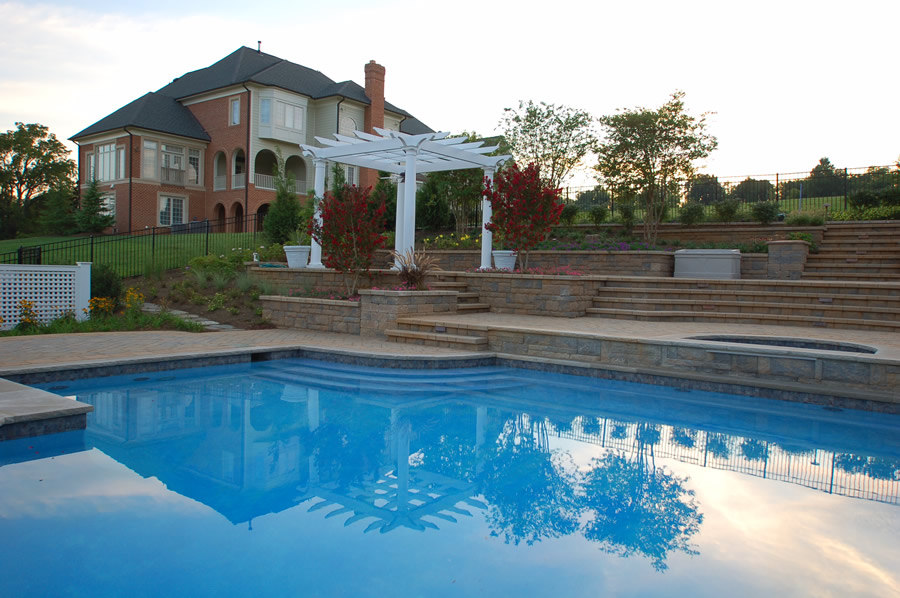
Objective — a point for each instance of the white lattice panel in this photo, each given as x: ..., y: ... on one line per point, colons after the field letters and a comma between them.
x: 54, y: 290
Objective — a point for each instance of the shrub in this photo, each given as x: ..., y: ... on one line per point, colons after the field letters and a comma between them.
x: 626, y: 215
x: 105, y: 282
x: 804, y: 237
x: 726, y: 210
x: 805, y: 218
x: 350, y: 232
x: 879, y: 213
x: 692, y: 212
x: 765, y: 212
x: 524, y: 208
x: 284, y: 214
x: 415, y: 266
x: 568, y: 214
x: 864, y: 199
x: 92, y: 216
x: 599, y: 214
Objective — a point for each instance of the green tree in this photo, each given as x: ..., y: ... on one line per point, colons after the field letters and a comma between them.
x: 705, y: 189
x: 91, y: 217
x: 648, y: 153
x: 58, y: 217
x: 753, y: 190
x: 555, y: 138
x: 824, y: 180
x: 283, y: 219
x: 32, y: 160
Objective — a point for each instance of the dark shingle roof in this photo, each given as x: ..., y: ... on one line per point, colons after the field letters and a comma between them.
x: 161, y: 111
x: 154, y: 112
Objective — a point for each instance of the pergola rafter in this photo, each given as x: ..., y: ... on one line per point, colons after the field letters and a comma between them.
x: 404, y: 155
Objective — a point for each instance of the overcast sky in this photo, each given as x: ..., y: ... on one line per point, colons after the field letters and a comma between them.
x: 788, y: 81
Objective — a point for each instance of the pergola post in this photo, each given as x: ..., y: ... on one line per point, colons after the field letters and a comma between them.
x: 487, y: 237
x: 398, y: 217
x: 315, y: 252
x: 409, y: 200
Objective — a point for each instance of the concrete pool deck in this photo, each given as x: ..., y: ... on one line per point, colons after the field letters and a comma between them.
x: 40, y: 358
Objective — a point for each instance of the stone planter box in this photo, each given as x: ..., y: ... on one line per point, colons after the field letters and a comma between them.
x: 713, y: 264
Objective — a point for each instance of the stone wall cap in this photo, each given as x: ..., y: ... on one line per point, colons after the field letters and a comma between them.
x: 315, y: 300
x: 410, y: 293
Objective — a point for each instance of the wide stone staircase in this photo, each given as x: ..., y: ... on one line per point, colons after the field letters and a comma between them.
x: 856, y: 305
x: 859, y: 251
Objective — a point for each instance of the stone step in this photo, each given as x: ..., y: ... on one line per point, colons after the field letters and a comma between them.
x: 868, y: 254
x: 467, y: 297
x: 754, y: 307
x: 661, y: 295
x: 732, y: 318
x: 433, y: 339
x: 473, y: 307
x: 854, y: 276
x: 844, y: 268
x: 429, y: 326
x: 828, y: 287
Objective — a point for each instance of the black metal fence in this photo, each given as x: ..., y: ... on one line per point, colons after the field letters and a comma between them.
x: 151, y: 249
x: 832, y: 189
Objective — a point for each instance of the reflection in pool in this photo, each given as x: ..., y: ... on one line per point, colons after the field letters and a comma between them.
x: 298, y: 477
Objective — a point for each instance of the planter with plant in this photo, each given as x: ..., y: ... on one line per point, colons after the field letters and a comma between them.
x: 298, y: 248
x: 414, y: 268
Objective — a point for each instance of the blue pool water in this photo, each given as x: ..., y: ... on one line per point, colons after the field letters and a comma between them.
x: 315, y: 479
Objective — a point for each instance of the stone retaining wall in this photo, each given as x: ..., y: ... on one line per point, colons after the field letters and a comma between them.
x: 561, y: 296
x: 380, y: 309
x: 787, y: 259
x: 307, y: 313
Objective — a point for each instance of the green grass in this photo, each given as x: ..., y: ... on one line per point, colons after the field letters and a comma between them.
x: 8, y: 245
x: 132, y: 256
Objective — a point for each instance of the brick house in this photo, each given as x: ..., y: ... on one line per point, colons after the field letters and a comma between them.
x: 203, y: 147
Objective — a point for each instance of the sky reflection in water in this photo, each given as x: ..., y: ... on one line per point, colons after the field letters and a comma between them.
x: 326, y: 480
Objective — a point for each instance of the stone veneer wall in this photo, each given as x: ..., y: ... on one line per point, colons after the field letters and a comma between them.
x: 323, y: 280
x: 754, y: 266
x: 787, y: 259
x: 375, y: 312
x: 307, y: 313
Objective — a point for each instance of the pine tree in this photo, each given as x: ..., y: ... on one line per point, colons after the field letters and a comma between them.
x: 58, y: 217
x: 92, y: 216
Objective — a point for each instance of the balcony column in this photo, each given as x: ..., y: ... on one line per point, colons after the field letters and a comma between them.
x: 315, y: 253
x: 487, y: 237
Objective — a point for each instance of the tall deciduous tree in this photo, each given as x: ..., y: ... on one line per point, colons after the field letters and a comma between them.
x: 32, y: 160
x: 555, y: 138
x: 647, y: 153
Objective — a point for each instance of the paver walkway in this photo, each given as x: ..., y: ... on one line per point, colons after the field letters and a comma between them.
x: 19, y: 353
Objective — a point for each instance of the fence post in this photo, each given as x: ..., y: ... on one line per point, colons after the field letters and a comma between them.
x: 845, y: 189
x: 777, y: 192
x: 92, y: 248
x: 153, y: 243
x: 82, y: 290
x: 207, y: 236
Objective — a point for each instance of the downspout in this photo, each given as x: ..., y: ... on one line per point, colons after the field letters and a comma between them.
x: 130, y: 173
x: 247, y: 165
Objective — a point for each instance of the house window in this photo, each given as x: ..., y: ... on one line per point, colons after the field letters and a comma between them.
x: 149, y: 162
x: 352, y: 175
x: 109, y: 204
x: 121, y: 162
x: 171, y: 210
x: 289, y: 116
x: 235, y: 116
x: 193, y: 174
x: 91, y: 173
x: 348, y: 125
x: 172, y: 164
x: 265, y: 111
x: 106, y: 162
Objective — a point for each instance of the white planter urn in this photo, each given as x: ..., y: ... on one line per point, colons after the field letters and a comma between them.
x: 504, y: 259
x: 297, y: 255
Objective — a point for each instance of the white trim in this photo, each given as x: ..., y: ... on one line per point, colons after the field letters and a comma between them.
x: 184, y: 214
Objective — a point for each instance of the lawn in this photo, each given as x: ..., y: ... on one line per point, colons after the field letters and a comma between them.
x: 132, y: 255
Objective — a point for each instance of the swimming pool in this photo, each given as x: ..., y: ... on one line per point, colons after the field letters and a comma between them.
x: 305, y: 478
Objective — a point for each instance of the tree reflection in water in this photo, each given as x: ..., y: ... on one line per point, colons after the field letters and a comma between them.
x: 638, y: 508
x: 531, y: 493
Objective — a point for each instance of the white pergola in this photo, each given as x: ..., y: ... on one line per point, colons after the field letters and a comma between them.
x: 404, y: 155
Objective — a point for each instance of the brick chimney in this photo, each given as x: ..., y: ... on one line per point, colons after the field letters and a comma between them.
x: 374, y: 116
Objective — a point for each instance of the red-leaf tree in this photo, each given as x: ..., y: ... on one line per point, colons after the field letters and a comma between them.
x: 524, y: 209
x: 350, y: 231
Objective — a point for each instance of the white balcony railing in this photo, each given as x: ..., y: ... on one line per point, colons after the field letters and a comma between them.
x: 219, y: 182
x: 238, y: 180
x: 267, y: 181
x: 172, y: 176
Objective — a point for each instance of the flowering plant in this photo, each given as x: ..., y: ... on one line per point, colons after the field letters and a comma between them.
x: 350, y: 230
x: 524, y: 209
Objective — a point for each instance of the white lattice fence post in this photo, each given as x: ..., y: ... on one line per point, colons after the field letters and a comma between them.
x: 82, y: 290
